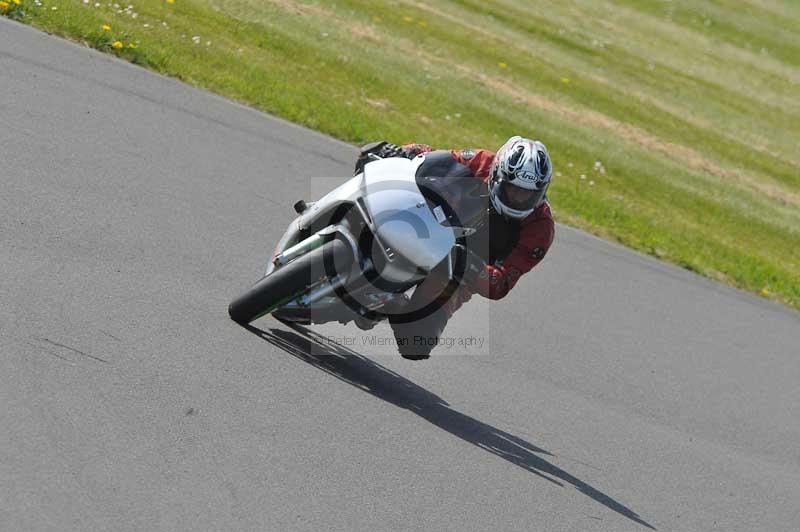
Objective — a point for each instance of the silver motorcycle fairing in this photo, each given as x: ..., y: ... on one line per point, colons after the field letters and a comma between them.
x: 402, y: 221
x: 410, y: 238
x: 347, y: 192
x: 396, y: 212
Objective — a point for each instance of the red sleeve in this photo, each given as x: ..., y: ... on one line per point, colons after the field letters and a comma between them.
x: 535, y: 239
x: 479, y: 161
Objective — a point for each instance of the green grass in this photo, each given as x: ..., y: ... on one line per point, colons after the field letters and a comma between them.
x: 690, y: 108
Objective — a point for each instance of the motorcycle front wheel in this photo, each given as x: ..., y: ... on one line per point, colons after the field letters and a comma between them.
x: 290, y: 281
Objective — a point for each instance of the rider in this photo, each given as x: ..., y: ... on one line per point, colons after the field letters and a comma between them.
x: 519, y: 231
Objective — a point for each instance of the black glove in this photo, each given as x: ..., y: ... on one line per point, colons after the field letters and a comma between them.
x: 392, y: 150
x: 381, y: 149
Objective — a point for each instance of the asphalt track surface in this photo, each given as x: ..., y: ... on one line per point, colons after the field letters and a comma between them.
x: 617, y: 393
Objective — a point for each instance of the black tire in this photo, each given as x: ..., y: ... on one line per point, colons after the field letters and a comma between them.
x: 288, y: 282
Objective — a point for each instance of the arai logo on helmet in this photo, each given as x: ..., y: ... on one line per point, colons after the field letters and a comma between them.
x: 526, y: 175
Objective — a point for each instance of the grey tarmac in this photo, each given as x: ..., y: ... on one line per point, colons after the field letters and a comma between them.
x: 611, y: 392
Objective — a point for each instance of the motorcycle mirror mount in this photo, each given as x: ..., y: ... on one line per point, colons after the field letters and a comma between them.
x: 300, y: 207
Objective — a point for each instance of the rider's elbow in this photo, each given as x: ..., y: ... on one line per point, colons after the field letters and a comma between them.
x: 497, y: 295
x: 495, y: 292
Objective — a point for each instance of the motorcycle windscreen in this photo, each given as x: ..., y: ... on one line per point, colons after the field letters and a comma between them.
x: 459, y: 201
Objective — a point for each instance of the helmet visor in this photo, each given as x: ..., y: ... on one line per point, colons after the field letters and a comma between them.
x: 518, y: 198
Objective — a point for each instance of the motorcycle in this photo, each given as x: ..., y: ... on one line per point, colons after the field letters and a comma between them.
x: 357, y: 253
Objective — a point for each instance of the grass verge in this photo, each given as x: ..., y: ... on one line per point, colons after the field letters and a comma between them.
x: 673, y: 125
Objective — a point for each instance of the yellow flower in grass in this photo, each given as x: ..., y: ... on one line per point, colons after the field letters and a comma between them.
x: 408, y: 19
x: 170, y: 1
x: 4, y: 5
x: 131, y: 45
x: 106, y: 27
x: 117, y: 45
x: 17, y: 2
x: 502, y: 65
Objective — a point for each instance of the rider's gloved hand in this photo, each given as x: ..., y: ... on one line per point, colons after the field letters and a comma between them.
x: 382, y: 149
x: 392, y: 150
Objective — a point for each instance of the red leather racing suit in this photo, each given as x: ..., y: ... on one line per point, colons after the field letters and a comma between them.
x: 534, y: 238
x: 516, y: 246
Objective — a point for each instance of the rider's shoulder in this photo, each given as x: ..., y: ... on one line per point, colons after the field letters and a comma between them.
x: 466, y: 154
x: 543, y: 212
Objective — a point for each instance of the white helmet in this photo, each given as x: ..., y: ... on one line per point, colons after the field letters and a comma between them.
x: 520, y: 176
